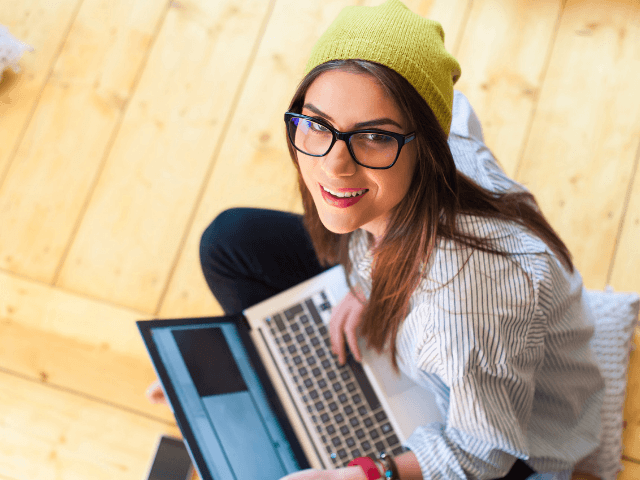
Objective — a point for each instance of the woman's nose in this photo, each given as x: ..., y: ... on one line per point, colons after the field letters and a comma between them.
x: 338, y: 162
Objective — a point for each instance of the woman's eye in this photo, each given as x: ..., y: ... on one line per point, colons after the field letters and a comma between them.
x: 317, y: 127
x: 377, y: 138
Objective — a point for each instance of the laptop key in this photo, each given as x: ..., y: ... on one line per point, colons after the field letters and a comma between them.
x: 350, y: 442
x: 355, y: 453
x: 342, y: 453
x: 308, y: 383
x: 366, y: 446
x: 293, y: 311
x: 362, y: 410
x: 320, y: 352
x: 345, y: 375
x: 398, y: 450
x: 392, y: 440
x: 336, y: 441
x: 342, y: 397
x: 348, y: 410
x: 351, y: 387
x: 373, y: 433
x: 309, y: 330
x: 380, y: 416
x: 322, y: 383
x: 302, y: 371
x: 368, y: 422
x: 356, y: 398
x: 345, y: 431
x: 360, y: 433
x: 386, y: 428
x: 327, y: 394
x: 297, y: 360
x: 337, y: 386
x: 333, y: 406
x: 331, y: 429
x: 380, y: 446
x: 305, y: 349
x: 292, y: 349
x: 313, y: 394
x: 325, y: 417
x: 319, y: 406
x: 314, y: 341
x: 331, y: 374
x: 339, y: 418
x: 286, y: 338
x: 326, y: 363
x: 300, y: 338
x: 322, y: 330
x: 304, y: 319
x: 316, y: 372
x: 311, y: 360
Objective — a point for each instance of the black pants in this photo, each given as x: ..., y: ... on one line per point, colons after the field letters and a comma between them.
x: 249, y: 255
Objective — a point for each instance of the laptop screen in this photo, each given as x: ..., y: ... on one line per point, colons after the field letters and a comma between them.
x: 225, y: 406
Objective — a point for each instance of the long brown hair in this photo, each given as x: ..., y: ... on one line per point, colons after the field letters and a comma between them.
x: 437, y: 195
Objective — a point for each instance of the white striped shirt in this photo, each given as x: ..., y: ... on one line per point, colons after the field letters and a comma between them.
x: 501, y: 341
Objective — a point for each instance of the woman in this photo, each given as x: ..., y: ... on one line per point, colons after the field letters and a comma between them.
x: 457, y: 276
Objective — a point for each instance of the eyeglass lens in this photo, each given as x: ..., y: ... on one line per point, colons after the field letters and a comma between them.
x: 371, y: 149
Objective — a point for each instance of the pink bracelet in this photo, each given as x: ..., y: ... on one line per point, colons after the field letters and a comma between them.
x: 368, y: 466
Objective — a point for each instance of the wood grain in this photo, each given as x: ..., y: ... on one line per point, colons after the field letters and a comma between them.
x: 583, y: 141
x: 43, y: 25
x: 65, y: 143
x: 47, y: 433
x: 631, y: 434
x: 503, y: 68
x: 630, y: 471
x: 626, y: 263
x: 134, y: 224
x: 84, y: 345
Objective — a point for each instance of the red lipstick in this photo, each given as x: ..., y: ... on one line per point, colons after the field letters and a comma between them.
x: 341, y: 202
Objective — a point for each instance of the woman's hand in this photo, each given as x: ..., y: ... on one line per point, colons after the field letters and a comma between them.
x: 155, y: 394
x: 347, y: 473
x: 345, y: 320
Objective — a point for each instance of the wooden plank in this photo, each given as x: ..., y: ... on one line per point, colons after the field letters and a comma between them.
x: 584, y: 137
x: 253, y: 167
x: 626, y: 264
x: 631, y: 434
x: 43, y: 25
x: 92, y: 369
x: 47, y: 433
x: 64, y: 146
x: 630, y: 470
x: 65, y: 340
x: 503, y: 55
x: 139, y: 210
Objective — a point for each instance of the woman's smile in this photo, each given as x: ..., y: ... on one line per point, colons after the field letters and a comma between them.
x: 342, y: 197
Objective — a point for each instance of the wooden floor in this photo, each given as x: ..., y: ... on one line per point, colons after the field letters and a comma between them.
x: 134, y: 122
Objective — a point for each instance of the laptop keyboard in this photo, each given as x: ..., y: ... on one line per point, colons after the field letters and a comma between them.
x: 342, y: 404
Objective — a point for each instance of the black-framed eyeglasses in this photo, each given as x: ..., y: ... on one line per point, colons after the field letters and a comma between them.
x: 370, y: 148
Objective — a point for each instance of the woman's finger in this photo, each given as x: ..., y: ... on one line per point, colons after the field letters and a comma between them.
x: 336, y: 326
x: 351, y: 331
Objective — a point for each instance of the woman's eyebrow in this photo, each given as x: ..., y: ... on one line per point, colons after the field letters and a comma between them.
x: 369, y: 123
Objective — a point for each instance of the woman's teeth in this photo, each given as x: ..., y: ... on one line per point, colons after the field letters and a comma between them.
x: 345, y: 194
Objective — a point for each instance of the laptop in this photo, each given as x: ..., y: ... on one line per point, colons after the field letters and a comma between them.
x: 260, y: 395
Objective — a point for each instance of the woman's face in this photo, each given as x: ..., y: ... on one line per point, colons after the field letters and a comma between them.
x: 347, y: 101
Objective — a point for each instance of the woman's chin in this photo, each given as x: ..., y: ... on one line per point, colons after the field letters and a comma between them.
x: 338, y: 227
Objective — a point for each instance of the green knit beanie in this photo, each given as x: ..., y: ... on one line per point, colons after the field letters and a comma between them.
x: 392, y: 35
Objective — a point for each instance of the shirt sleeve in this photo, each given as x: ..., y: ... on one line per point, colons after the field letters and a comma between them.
x: 484, y: 343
